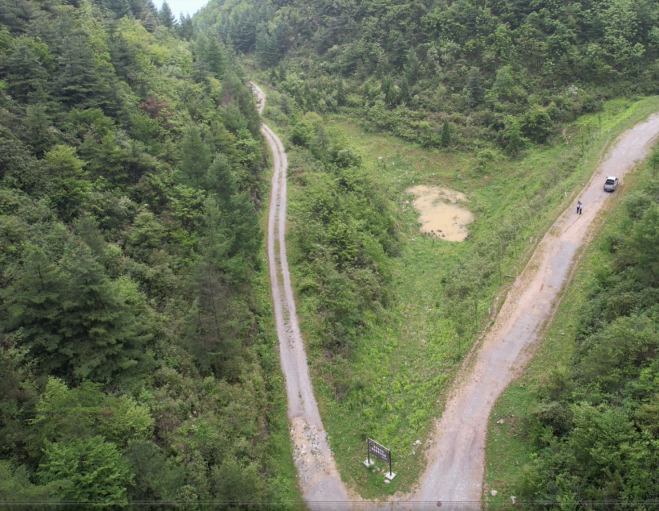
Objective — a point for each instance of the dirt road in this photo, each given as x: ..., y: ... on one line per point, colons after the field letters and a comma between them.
x: 455, y: 468
x: 456, y: 459
x: 319, y: 479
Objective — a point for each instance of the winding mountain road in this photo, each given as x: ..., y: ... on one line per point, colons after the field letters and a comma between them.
x: 319, y: 479
x: 454, y: 474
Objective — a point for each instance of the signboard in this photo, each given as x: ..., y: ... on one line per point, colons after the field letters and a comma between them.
x: 378, y: 451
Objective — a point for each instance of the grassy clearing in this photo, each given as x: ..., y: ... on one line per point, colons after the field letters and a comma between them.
x: 395, y: 379
x: 508, y: 447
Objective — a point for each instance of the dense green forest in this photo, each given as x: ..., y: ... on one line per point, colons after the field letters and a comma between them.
x: 136, y: 351
x: 491, y: 73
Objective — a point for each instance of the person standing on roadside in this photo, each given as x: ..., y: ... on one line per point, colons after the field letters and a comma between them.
x: 579, y: 207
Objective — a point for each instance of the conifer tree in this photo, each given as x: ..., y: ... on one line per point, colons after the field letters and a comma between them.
x: 73, y: 319
x: 82, y: 82
x: 39, y: 129
x: 404, y: 90
x: 412, y: 67
x: 389, y: 91
x: 150, y: 21
x: 33, y: 306
x: 512, y: 134
x: 445, y: 137
x: 23, y: 72
x: 262, y: 43
x: 100, y: 333
x: 167, y: 18
x: 119, y: 8
x: 185, y: 27
x: 195, y: 155
x: 474, y: 88
x: 215, y: 57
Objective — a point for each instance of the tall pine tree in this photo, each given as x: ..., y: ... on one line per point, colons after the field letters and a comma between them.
x: 73, y: 319
x: 167, y: 18
x: 445, y: 137
x: 195, y: 155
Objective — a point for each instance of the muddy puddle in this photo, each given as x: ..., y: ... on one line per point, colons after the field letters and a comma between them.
x: 441, y: 212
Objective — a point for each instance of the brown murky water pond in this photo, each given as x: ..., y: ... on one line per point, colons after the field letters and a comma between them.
x: 441, y: 212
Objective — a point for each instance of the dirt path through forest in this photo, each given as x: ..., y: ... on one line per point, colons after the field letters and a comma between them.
x: 319, y: 479
x: 456, y: 454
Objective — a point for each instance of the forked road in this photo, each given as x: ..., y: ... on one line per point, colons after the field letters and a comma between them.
x: 456, y: 455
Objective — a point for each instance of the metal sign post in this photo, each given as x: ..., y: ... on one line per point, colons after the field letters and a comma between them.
x: 380, y: 452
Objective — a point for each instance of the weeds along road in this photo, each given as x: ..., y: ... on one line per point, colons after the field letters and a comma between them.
x: 456, y: 454
x: 319, y: 479
x: 456, y: 458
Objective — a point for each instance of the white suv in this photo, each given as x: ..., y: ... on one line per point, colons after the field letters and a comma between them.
x: 611, y: 184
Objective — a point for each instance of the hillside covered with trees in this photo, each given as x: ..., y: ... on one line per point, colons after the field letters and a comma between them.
x: 499, y: 73
x: 136, y: 356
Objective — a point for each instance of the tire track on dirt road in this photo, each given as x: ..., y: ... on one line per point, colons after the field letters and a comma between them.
x: 318, y: 476
x: 454, y: 475
x: 456, y: 458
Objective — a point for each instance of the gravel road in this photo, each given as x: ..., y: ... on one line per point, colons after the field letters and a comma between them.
x: 456, y: 458
x: 454, y: 475
x: 319, y: 479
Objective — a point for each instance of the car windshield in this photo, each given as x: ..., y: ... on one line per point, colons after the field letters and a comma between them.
x: 610, y: 181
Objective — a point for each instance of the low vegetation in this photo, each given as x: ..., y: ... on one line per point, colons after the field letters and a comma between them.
x: 581, y: 424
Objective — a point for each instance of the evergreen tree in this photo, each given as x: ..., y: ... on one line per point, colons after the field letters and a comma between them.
x: 123, y: 57
x: 99, y: 330
x: 73, y: 320
x: 404, y: 90
x: 185, y: 27
x: 445, y: 137
x: 474, y: 88
x: 83, y: 83
x: 280, y: 35
x: 412, y: 67
x: 23, y: 72
x: 167, y: 18
x: 389, y: 91
x: 33, y: 306
x: 195, y: 155
x: 119, y: 8
x: 262, y: 44
x: 512, y: 136
x: 221, y: 180
x: 243, y: 33
x: 39, y: 130
x: 215, y: 57
x: 150, y: 21
x: 86, y: 470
